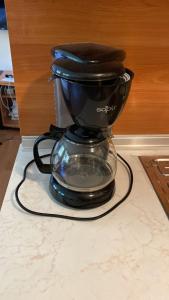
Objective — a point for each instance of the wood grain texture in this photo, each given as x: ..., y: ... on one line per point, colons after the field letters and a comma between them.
x: 9, y: 144
x: 140, y: 27
x: 157, y: 169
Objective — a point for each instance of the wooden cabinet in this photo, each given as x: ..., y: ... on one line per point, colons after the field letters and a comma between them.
x: 141, y: 28
x: 8, y: 107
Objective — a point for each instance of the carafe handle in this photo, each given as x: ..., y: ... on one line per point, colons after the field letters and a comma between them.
x: 55, y: 134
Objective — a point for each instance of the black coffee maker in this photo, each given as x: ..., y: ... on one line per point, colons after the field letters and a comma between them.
x: 91, y: 88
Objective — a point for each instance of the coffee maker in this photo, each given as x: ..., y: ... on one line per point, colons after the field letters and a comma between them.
x: 91, y: 87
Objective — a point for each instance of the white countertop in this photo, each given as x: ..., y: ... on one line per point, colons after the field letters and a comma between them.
x: 124, y: 256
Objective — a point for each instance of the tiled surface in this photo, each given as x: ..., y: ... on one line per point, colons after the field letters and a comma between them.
x: 124, y: 256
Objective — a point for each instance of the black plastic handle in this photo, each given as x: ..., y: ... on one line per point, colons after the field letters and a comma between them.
x: 54, y: 134
x: 44, y: 168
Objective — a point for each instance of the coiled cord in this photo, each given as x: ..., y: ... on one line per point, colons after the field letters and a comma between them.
x: 60, y: 216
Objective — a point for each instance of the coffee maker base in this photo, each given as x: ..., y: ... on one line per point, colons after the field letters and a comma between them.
x: 85, y: 200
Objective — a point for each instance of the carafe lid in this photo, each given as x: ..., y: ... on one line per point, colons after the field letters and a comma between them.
x: 87, y: 62
x: 86, y: 136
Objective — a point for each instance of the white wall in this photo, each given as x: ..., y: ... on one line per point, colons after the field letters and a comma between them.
x: 5, y: 52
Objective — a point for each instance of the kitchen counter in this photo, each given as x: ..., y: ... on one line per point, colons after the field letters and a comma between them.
x: 124, y: 256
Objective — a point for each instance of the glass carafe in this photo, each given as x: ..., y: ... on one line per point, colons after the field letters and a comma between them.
x: 83, y: 167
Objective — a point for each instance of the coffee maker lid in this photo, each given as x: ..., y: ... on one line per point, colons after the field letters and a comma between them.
x: 87, y: 62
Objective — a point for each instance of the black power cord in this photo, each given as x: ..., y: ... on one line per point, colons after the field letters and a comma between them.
x: 37, y: 213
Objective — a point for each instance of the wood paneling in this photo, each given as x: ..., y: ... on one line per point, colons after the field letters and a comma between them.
x: 140, y: 27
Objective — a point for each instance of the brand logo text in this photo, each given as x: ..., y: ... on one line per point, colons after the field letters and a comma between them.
x: 106, y: 109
